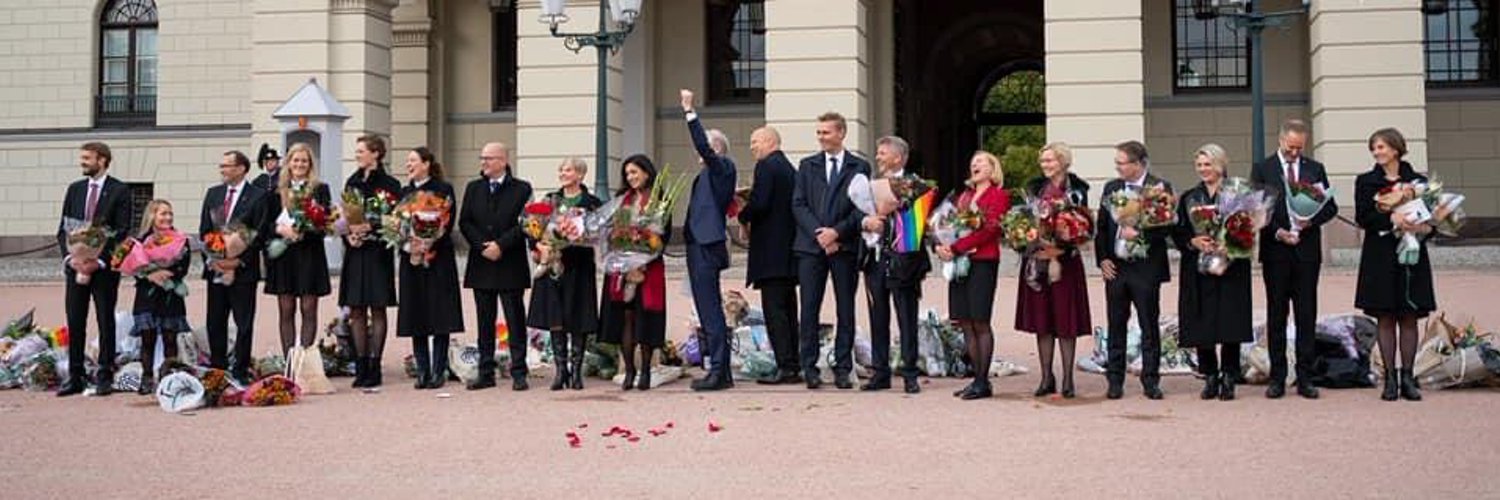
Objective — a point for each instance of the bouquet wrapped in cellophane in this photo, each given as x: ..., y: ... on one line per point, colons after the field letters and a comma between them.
x: 416, y: 224
x: 159, y: 251
x: 1419, y: 203
x: 558, y: 227
x: 632, y: 237
x: 85, y: 243
x: 305, y: 215
x: 1304, y: 200
x: 1233, y: 222
x: 1039, y: 223
x: 1149, y: 207
x: 227, y: 241
x: 950, y: 223
x: 357, y: 209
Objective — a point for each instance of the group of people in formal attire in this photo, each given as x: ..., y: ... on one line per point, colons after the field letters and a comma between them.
x: 803, y: 230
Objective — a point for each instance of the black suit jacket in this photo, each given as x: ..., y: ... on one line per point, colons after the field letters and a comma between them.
x: 251, y: 211
x: 1155, y: 266
x: 815, y: 204
x: 769, y: 216
x: 496, y: 217
x: 1268, y: 175
x: 112, y: 211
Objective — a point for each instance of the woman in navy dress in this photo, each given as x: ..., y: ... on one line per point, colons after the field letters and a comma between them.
x: 1056, y: 312
x: 367, y: 285
x: 299, y: 276
x: 430, y: 309
x: 642, y: 320
x: 567, y: 305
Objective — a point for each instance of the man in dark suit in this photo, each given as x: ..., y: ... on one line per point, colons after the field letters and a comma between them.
x: 1291, y: 256
x: 104, y: 200
x: 773, y: 266
x: 827, y: 243
x: 891, y: 276
x: 233, y: 201
x: 497, y: 268
x: 1130, y: 282
x: 707, y: 254
x: 269, y: 161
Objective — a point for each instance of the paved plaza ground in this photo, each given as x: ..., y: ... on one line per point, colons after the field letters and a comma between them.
x: 781, y: 441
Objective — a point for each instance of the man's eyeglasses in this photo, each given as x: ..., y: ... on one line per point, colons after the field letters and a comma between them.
x: 491, y: 158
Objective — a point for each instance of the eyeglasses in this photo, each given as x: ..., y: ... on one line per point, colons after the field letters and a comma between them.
x: 491, y: 158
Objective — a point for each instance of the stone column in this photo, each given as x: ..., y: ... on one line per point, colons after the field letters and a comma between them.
x: 411, y: 84
x: 817, y: 60
x: 359, y: 71
x: 1095, y: 80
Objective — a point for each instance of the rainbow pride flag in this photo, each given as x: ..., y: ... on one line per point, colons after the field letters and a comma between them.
x: 911, y: 223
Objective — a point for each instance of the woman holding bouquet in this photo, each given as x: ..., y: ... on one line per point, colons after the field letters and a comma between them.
x: 1057, y: 312
x: 298, y: 275
x: 1396, y: 295
x: 567, y: 304
x: 1215, y: 307
x: 160, y: 312
x: 971, y: 299
x: 430, y: 308
x: 639, y: 318
x: 367, y: 285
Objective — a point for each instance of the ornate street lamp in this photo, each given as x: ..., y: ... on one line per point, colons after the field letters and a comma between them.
x: 618, y: 14
x: 1243, y: 14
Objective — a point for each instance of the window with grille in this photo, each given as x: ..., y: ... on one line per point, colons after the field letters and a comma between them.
x: 1460, y: 44
x: 127, y: 64
x: 1207, y: 53
x: 736, y: 50
x: 504, y: 58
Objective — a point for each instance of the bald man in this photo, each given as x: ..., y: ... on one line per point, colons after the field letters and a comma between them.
x: 497, y: 268
x: 772, y: 268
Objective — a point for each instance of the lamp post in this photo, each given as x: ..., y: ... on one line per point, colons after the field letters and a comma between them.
x: 1243, y: 14
x: 623, y: 13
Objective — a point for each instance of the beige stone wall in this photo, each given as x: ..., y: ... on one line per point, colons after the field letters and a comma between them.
x: 1095, y: 82
x: 1464, y: 148
x: 47, y: 48
x: 818, y: 59
x: 1173, y: 134
x: 204, y: 62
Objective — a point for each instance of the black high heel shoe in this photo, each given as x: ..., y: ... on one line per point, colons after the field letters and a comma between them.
x: 1211, y: 387
x: 629, y: 380
x: 1048, y: 386
x: 979, y: 390
x: 1067, y: 389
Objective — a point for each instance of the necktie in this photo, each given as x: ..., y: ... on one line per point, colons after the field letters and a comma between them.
x: 1291, y: 172
x: 833, y: 168
x: 228, y: 205
x: 93, y: 203
x: 494, y: 187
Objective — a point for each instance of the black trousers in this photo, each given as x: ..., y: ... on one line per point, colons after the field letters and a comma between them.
x: 1291, y: 286
x: 434, y: 361
x: 237, y: 300
x: 1144, y: 293
x: 880, y: 299
x: 812, y: 274
x: 778, y: 298
x: 1225, y: 358
x: 104, y: 290
x: 515, y: 320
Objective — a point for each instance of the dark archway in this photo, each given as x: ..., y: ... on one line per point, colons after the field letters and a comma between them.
x: 948, y: 54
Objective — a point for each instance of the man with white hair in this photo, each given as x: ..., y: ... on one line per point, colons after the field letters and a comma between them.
x: 892, y: 278
x: 707, y: 254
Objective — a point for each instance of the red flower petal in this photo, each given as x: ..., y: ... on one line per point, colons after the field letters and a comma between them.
x: 714, y: 427
x: 634, y: 439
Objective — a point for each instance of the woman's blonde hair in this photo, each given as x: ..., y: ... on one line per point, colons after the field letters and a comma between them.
x: 148, y: 217
x: 997, y: 174
x: 1216, y: 155
x: 284, y: 185
x: 1061, y: 150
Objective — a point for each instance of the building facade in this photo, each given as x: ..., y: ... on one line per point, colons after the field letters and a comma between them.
x: 172, y: 84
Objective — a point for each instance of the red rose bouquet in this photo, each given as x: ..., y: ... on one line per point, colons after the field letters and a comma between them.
x: 305, y: 215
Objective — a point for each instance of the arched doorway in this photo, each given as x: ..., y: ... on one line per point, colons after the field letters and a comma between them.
x: 1011, y: 114
x: 948, y: 56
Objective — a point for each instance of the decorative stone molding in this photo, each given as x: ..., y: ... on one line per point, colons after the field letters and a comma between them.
x: 379, y: 9
x: 413, y: 35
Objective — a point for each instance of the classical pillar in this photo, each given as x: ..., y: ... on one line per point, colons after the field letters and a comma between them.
x: 817, y: 60
x: 1095, y: 80
x: 411, y: 82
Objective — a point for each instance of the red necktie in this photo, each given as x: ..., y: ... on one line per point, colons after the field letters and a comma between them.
x: 93, y: 203
x: 228, y: 201
x: 1291, y: 172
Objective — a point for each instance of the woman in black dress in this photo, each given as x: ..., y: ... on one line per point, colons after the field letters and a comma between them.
x: 642, y: 320
x: 299, y: 276
x: 430, y: 308
x: 1056, y: 312
x: 159, y: 312
x: 1396, y: 295
x: 1215, y: 309
x: 567, y: 305
x: 367, y: 285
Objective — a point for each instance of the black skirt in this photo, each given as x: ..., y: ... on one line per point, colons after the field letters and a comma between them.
x: 973, y: 297
x: 158, y: 309
x: 301, y: 271
x: 430, y: 302
x: 569, y: 302
x: 650, y: 328
x: 369, y: 276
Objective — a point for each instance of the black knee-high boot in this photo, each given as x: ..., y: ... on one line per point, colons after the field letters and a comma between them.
x: 575, y: 364
x: 560, y: 364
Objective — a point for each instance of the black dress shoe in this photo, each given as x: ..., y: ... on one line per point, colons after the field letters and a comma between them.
x: 1048, y: 386
x: 960, y: 392
x: 1116, y: 390
x: 1152, y: 391
x: 1276, y: 389
x: 436, y: 382
x: 1067, y: 390
x: 1391, y: 392
x: 629, y: 383
x: 643, y: 382
x: 876, y: 384
x: 1210, y: 387
x: 1226, y: 389
x: 560, y: 378
x: 716, y: 381
x: 519, y: 384
x: 1307, y: 391
x: 912, y: 386
x: 1409, y: 389
x: 841, y: 381
x: 421, y: 383
x: 361, y: 374
x: 813, y: 382
x: 481, y: 383
x: 977, y: 390
x: 72, y: 388
x: 147, y: 387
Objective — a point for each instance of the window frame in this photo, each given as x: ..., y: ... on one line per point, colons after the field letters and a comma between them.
x: 1492, y: 79
x: 730, y: 92
x: 139, y: 110
x: 1177, y: 87
x: 504, y: 57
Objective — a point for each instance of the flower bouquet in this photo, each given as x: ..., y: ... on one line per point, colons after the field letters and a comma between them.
x: 1233, y: 222
x: 1148, y: 207
x: 1304, y: 200
x: 1062, y: 225
x: 357, y: 209
x: 275, y: 390
x: 219, y: 390
x: 738, y: 203
x: 1417, y: 203
x: 950, y: 224
x: 420, y: 219
x: 557, y: 226
x: 85, y: 242
x: 158, y: 252
x: 633, y: 236
x: 306, y: 215
x: 1434, y: 196
x: 229, y: 241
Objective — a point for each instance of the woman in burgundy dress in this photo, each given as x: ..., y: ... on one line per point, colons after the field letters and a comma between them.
x: 1054, y: 309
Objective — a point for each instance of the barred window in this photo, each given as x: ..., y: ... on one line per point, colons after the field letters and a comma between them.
x: 127, y: 64
x: 1207, y: 54
x: 1460, y: 43
x: 736, y: 50
x: 503, y: 55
